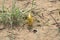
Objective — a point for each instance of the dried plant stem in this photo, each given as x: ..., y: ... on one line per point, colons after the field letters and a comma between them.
x: 3, y: 6
x: 13, y: 5
x: 57, y: 24
x: 13, y: 11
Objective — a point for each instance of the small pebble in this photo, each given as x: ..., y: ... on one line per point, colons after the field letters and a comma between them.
x: 34, y: 31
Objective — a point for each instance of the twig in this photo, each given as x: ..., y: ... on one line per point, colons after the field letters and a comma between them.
x: 57, y: 24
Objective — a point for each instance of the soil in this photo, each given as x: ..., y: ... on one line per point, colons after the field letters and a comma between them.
x: 47, y: 16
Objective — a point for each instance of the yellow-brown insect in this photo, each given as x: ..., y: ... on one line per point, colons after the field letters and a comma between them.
x: 30, y: 19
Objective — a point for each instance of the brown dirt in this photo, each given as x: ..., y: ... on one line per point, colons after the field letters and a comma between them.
x: 47, y: 31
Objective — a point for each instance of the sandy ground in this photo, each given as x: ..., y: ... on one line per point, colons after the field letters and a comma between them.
x: 45, y: 29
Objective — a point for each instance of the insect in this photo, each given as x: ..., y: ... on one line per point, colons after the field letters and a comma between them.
x: 30, y: 19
